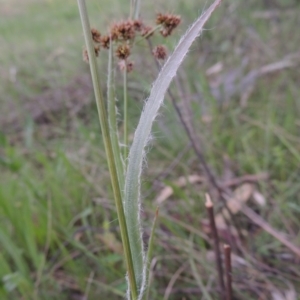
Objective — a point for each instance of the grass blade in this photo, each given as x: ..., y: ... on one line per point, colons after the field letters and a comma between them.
x: 196, y: 274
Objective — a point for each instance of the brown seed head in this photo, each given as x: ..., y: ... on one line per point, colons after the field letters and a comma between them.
x: 160, y: 19
x: 160, y: 52
x: 123, y: 31
x: 138, y: 25
x: 169, y: 23
x: 96, y: 36
x: 168, y: 20
x: 105, y: 41
x: 123, y: 51
x: 173, y: 21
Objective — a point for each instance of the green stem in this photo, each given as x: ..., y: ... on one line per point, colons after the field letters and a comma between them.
x: 131, y: 8
x: 108, y: 146
x: 136, y: 11
x: 125, y: 115
x: 112, y: 118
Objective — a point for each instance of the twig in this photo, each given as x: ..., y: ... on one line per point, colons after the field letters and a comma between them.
x: 210, y: 211
x: 245, y: 178
x: 228, y: 272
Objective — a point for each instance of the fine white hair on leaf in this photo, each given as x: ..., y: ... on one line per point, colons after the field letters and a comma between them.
x: 141, y: 138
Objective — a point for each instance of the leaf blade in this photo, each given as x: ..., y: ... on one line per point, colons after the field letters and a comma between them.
x: 141, y: 137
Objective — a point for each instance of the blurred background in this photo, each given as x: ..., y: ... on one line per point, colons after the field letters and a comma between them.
x: 237, y: 91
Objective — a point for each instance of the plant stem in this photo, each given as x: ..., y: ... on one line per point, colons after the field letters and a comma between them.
x: 108, y: 146
x: 131, y: 8
x: 125, y: 115
x: 136, y: 10
x: 210, y: 211
x: 228, y: 272
x: 112, y: 119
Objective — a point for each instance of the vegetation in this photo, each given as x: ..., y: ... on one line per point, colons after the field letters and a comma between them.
x: 238, y: 96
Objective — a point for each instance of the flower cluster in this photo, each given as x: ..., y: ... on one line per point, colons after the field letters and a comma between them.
x: 169, y: 22
x: 123, y: 31
x: 123, y: 51
x: 160, y: 52
x: 123, y: 34
x: 96, y: 35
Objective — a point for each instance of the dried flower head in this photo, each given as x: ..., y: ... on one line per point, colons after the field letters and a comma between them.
x: 160, y: 52
x: 123, y: 51
x: 160, y: 19
x: 96, y: 36
x: 105, y: 41
x: 123, y: 31
x: 138, y: 25
x: 169, y: 23
x: 168, y: 20
x: 147, y: 31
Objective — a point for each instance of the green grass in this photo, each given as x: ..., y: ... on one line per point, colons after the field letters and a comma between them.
x: 59, y: 235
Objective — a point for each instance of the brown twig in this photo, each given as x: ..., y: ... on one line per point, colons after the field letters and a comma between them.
x: 210, y: 211
x: 228, y: 272
x: 253, y: 178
